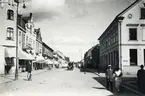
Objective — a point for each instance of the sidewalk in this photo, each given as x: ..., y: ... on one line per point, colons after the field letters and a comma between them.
x: 10, y: 78
x: 129, y: 82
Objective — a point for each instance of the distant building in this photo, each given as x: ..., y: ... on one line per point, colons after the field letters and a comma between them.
x: 60, y: 58
x: 47, y: 53
x: 8, y: 20
x: 123, y: 43
x: 91, y: 58
x: 38, y: 51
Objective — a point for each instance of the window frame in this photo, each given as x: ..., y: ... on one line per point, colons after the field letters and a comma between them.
x: 142, y: 17
x: 10, y: 33
x: 10, y: 14
x: 130, y: 32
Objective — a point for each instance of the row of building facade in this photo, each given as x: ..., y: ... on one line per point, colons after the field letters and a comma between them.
x: 122, y: 44
x: 18, y: 32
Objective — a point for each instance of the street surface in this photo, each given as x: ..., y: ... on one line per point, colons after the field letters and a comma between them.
x: 56, y: 82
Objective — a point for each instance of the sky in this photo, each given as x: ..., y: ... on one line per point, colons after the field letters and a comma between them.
x: 73, y: 26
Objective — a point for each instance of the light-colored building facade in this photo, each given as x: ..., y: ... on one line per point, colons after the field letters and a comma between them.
x: 123, y: 42
x: 26, y: 40
x: 8, y: 36
x: 61, y: 58
x: 39, y: 58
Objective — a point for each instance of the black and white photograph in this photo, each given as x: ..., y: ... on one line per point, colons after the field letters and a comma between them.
x: 72, y: 47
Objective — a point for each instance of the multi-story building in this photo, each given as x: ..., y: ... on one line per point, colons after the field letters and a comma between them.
x: 26, y: 40
x: 123, y: 43
x: 47, y: 53
x: 8, y: 36
x: 59, y: 58
x: 91, y: 58
x: 38, y: 51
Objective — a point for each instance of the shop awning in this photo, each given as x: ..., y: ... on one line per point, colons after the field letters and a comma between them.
x: 10, y: 52
x: 48, y: 61
x: 25, y: 56
x: 39, y: 59
x: 56, y: 62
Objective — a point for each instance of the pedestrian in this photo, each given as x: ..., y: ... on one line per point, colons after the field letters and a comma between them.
x: 109, y: 77
x: 141, y: 79
x: 29, y: 69
x: 118, y: 79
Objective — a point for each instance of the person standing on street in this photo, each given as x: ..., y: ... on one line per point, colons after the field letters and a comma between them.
x: 109, y: 77
x: 29, y: 69
x: 118, y: 79
x: 141, y: 79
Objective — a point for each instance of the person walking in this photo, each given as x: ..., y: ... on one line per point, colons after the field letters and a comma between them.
x: 118, y: 79
x: 29, y: 69
x: 141, y: 79
x: 109, y: 77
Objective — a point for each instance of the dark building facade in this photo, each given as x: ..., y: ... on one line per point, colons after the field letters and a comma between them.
x: 91, y: 58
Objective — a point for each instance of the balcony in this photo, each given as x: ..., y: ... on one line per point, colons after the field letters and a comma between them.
x: 27, y: 47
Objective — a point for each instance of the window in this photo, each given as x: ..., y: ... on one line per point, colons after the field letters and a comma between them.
x: 133, y: 34
x: 142, y: 13
x: 23, y: 39
x: 10, y: 33
x: 10, y: 14
x: 20, y: 37
x: 27, y: 40
x: 9, y: 61
x: 143, y: 33
x: 116, y: 37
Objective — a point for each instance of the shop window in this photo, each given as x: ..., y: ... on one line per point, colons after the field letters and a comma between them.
x: 9, y: 61
x: 133, y: 34
x: 10, y: 33
x: 10, y: 14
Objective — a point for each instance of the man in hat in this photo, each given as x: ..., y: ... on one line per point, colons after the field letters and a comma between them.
x: 109, y: 77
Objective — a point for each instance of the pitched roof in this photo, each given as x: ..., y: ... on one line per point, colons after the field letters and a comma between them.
x: 128, y: 8
x: 119, y: 16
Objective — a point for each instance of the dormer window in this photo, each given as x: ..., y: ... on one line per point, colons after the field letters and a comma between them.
x: 142, y: 13
x: 10, y: 14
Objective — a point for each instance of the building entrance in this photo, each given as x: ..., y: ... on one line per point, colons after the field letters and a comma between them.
x: 133, y: 57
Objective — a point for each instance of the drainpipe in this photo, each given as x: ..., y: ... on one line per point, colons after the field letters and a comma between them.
x: 120, y: 43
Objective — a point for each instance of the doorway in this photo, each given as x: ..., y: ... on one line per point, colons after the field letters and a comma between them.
x: 133, y: 57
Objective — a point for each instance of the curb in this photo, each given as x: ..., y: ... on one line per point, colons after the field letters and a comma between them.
x: 21, y: 73
x: 94, y: 72
x: 130, y: 89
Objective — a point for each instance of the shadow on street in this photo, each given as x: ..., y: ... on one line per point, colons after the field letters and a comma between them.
x: 123, y: 91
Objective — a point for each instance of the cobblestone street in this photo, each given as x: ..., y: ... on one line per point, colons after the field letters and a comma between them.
x: 57, y: 82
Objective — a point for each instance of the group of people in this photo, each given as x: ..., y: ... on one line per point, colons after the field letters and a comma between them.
x: 113, y: 78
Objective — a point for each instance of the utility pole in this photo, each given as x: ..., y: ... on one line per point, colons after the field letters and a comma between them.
x: 17, y: 59
x: 17, y: 41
